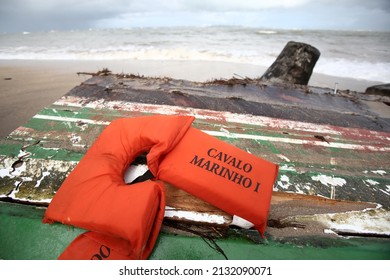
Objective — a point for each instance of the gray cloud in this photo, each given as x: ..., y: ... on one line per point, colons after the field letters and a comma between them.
x: 36, y: 15
x: 27, y: 15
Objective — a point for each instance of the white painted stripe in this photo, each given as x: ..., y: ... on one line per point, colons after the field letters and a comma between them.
x: 194, y: 216
x: 298, y: 141
x: 66, y: 119
x: 260, y: 121
x: 197, y: 113
x: 241, y: 136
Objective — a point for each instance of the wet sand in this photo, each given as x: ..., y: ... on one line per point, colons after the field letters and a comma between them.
x: 27, y: 86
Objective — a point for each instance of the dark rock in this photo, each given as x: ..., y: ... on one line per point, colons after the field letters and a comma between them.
x: 383, y: 89
x: 294, y: 65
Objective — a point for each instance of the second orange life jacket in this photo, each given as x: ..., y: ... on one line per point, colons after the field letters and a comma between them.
x: 123, y: 221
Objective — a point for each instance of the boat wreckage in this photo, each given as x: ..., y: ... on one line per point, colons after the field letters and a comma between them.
x: 332, y: 192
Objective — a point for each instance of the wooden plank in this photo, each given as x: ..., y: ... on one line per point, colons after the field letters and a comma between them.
x: 342, y: 165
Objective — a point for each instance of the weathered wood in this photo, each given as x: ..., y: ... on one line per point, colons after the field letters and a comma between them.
x: 383, y: 89
x: 328, y: 166
x: 294, y: 65
x: 298, y: 103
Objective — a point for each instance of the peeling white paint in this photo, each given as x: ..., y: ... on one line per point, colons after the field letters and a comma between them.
x: 385, y: 192
x: 284, y: 178
x: 368, y: 221
x: 224, y: 130
x: 241, y: 222
x: 329, y: 181
x: 82, y: 126
x: 205, y: 114
x: 50, y: 149
x: 284, y: 182
x: 299, y: 141
x: 171, y: 212
x: 68, y: 124
x: 329, y: 231
x: 332, y: 192
x: 7, y: 171
x: 23, y: 154
x: 33, y: 169
x: 298, y: 189
x: 12, y: 195
x: 69, y: 120
x: 4, y: 172
x: 380, y: 172
x: 197, y: 113
x: 295, y: 141
x: 14, y: 192
x: 287, y: 168
x: 44, y: 174
x: 26, y: 179
x: 373, y: 221
x: 370, y: 182
x: 283, y: 157
x: 75, y: 138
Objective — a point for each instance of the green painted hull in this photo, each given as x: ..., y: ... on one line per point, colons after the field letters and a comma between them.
x: 24, y: 237
x: 338, y: 164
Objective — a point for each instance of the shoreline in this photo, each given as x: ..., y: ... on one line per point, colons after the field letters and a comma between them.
x: 27, y: 86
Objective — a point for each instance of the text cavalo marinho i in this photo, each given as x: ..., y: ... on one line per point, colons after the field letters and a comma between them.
x: 238, y: 173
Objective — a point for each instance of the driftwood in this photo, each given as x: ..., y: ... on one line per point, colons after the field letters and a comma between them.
x: 383, y: 89
x: 104, y: 72
x: 294, y: 65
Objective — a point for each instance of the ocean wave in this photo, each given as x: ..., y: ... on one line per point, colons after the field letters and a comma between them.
x: 343, y: 54
x: 379, y: 71
x: 131, y: 52
x: 334, y: 67
x: 266, y: 32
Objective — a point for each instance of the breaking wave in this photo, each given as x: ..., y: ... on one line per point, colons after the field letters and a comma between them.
x: 343, y: 53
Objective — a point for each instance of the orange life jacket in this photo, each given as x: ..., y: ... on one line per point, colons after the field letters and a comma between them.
x: 221, y: 174
x: 123, y: 220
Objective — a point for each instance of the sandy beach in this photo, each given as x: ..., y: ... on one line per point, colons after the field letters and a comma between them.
x: 27, y: 86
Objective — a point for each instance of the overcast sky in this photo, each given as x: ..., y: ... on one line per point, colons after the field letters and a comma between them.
x: 45, y: 15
